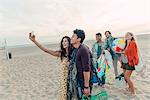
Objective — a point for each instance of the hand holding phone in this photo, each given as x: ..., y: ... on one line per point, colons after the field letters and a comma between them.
x: 32, y: 36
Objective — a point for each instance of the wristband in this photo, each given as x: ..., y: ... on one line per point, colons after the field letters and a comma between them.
x: 86, y: 87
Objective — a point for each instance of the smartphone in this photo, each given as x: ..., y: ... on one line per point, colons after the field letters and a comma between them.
x: 32, y: 33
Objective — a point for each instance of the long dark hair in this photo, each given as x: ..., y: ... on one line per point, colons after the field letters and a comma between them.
x: 63, y: 50
x: 125, y: 45
x: 132, y: 39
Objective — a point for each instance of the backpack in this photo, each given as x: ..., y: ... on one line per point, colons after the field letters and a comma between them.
x: 94, y: 78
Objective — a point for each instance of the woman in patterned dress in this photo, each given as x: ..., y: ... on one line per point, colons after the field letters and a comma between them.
x: 64, y: 54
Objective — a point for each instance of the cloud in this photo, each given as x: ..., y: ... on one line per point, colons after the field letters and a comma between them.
x: 53, y: 18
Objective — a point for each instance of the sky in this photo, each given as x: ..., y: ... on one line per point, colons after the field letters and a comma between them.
x: 52, y: 19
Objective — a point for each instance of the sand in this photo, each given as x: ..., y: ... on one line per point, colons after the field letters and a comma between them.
x: 33, y: 75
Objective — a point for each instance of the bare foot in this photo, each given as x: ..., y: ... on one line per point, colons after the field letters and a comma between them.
x: 128, y: 89
x: 132, y: 95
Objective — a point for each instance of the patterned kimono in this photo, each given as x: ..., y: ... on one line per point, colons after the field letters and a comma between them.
x: 72, y: 85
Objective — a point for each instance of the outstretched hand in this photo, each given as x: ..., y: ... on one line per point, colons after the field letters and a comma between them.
x: 32, y: 37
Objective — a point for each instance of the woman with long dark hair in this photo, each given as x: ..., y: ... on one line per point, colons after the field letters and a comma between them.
x: 65, y: 55
x: 131, y: 53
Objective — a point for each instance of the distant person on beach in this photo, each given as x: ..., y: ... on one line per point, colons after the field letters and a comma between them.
x: 65, y: 55
x: 108, y: 46
x: 131, y: 53
x: 82, y: 63
x: 97, y: 49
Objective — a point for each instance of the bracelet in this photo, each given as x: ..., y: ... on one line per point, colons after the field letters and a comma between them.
x: 86, y: 87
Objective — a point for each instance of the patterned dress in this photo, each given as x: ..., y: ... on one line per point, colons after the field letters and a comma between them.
x: 63, y: 74
x: 68, y: 82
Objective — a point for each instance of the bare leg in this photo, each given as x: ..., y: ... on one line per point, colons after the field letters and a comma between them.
x: 130, y: 83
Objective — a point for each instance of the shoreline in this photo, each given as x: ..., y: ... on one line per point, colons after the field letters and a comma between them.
x: 56, y: 43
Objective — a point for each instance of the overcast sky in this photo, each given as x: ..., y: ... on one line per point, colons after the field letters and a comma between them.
x: 52, y: 19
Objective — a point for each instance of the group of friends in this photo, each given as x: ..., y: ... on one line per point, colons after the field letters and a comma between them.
x: 79, y: 74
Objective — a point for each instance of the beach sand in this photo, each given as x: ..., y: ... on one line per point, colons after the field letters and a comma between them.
x: 33, y: 75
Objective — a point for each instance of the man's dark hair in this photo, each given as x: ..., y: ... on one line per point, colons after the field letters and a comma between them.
x: 99, y: 34
x: 80, y: 34
x: 108, y: 32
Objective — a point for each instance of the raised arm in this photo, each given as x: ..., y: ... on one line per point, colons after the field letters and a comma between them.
x: 52, y: 52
